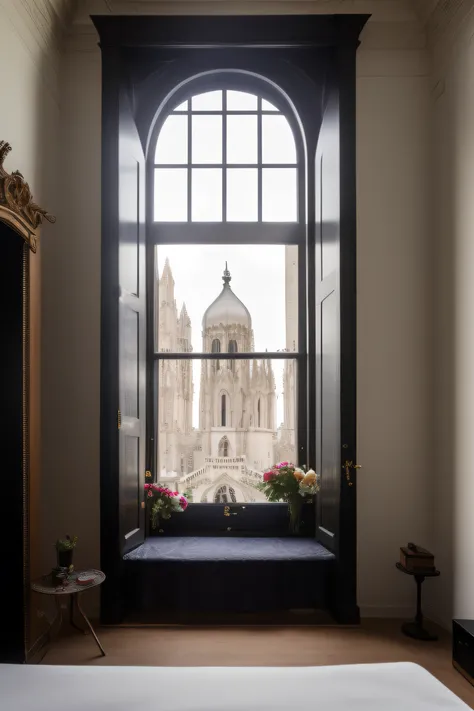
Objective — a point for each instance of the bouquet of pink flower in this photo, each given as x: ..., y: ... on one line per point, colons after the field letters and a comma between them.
x: 163, y: 502
x: 286, y: 482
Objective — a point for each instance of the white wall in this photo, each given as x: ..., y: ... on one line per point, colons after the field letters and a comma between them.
x: 394, y: 346
x: 453, y: 338
x: 71, y: 319
x: 30, y: 111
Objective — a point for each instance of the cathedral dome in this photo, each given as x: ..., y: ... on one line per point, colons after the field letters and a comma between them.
x: 227, y: 308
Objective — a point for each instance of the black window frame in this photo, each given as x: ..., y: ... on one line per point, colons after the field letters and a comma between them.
x: 231, y: 233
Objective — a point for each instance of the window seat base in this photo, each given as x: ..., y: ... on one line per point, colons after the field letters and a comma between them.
x: 228, y: 575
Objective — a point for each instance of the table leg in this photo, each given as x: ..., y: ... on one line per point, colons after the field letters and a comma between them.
x: 78, y: 603
x: 58, y: 619
x: 415, y: 629
x: 71, y: 614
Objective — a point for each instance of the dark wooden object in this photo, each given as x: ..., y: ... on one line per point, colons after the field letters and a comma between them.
x: 312, y: 60
x: 463, y: 648
x: 20, y: 219
x: 415, y: 629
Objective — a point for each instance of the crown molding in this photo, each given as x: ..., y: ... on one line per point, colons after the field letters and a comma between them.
x: 380, y: 10
x: 391, y: 27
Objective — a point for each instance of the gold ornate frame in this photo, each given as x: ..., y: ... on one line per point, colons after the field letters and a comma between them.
x: 17, y: 208
x: 21, y: 214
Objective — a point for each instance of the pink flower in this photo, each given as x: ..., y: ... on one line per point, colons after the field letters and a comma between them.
x: 269, y: 475
x: 184, y: 503
x: 148, y: 486
x: 283, y: 464
x: 150, y: 493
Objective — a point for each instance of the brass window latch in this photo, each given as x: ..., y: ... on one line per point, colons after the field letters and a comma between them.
x: 227, y: 511
x: 347, y: 468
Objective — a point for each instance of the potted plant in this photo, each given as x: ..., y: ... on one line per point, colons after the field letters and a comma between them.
x: 286, y: 482
x: 64, y: 551
x: 162, y: 503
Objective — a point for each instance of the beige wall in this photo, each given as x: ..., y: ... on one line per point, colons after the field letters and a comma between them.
x: 453, y: 338
x: 394, y: 340
x: 394, y: 348
x: 71, y: 320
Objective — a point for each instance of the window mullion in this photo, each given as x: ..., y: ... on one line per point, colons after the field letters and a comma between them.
x: 224, y: 156
x: 259, y: 157
x: 190, y: 160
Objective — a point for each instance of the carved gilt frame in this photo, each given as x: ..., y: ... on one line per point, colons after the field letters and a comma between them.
x: 17, y: 208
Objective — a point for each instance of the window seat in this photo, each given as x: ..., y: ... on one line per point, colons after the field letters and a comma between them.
x: 203, y: 549
x: 231, y: 575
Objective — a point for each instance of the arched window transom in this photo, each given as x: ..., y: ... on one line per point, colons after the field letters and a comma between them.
x: 225, y: 156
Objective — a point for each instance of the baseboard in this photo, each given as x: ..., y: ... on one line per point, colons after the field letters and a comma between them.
x: 393, y: 612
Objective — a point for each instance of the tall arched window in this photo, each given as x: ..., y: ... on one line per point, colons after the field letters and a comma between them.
x: 216, y: 348
x: 229, y: 186
x: 232, y: 349
x: 223, y: 410
x: 225, y: 495
x: 224, y: 447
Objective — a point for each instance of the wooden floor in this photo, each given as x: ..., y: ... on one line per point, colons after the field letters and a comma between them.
x: 374, y: 641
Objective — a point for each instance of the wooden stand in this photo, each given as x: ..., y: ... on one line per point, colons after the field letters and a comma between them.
x: 415, y: 629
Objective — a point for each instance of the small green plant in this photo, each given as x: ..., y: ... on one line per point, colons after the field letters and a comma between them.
x: 66, y: 544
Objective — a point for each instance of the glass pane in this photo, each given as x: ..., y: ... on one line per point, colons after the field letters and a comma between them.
x: 279, y: 198
x: 206, y: 195
x: 267, y: 106
x: 241, y: 101
x: 242, y: 139
x: 209, y: 101
x: 172, y: 144
x: 207, y: 139
x: 182, y: 107
x: 227, y: 303
x: 171, y: 195
x: 216, y: 440
x: 242, y: 195
x: 278, y: 143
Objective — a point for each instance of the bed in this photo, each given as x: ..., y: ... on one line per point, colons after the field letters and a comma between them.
x: 361, y: 687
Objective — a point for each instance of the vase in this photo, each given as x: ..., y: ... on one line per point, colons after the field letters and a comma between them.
x: 295, y: 504
x: 65, y: 558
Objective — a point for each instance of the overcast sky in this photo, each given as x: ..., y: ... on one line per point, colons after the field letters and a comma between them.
x: 258, y: 279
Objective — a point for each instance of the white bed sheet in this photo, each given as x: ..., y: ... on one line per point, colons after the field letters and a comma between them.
x: 361, y: 687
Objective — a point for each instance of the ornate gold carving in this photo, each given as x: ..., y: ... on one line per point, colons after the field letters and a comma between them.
x: 17, y: 208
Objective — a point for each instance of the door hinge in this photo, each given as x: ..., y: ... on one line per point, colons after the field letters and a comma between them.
x: 119, y: 419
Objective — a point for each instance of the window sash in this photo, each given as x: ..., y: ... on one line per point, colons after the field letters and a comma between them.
x: 222, y: 233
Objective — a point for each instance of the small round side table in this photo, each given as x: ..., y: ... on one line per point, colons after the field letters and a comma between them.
x: 44, y: 586
x: 415, y: 629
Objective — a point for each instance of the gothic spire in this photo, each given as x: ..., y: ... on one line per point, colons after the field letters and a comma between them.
x: 167, y: 270
x: 226, y: 277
